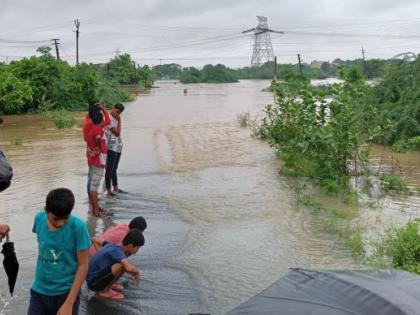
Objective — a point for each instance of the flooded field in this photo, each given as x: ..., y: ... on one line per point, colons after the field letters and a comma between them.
x: 223, y: 223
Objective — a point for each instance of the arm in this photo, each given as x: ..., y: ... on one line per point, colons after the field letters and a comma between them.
x: 4, y: 229
x: 81, y: 273
x: 107, y: 120
x: 97, y: 242
x: 117, y: 130
x: 133, y: 271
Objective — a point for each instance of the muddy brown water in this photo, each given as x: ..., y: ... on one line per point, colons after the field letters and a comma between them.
x: 223, y: 223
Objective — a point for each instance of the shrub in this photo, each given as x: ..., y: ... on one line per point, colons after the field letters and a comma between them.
x: 393, y: 183
x: 62, y: 119
x: 403, y: 247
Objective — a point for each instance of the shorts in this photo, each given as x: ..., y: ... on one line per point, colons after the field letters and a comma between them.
x: 94, y: 178
x: 49, y: 304
x: 101, y: 281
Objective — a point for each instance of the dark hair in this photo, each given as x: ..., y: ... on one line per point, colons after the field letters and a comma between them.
x: 134, y: 237
x: 92, y: 103
x: 138, y: 223
x: 96, y: 117
x: 1, y: 120
x: 120, y: 107
x: 60, y: 202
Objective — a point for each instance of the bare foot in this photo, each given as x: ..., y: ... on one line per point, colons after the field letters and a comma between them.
x: 110, y: 295
x: 110, y: 194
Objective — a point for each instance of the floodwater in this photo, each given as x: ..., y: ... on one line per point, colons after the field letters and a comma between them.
x: 223, y: 224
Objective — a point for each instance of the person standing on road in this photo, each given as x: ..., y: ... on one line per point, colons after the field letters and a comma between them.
x: 96, y: 151
x: 113, y: 135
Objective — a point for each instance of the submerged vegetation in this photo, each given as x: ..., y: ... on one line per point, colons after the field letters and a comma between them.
x: 325, y: 135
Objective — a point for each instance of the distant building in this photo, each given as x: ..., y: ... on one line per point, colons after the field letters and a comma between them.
x: 316, y: 64
x: 100, y: 66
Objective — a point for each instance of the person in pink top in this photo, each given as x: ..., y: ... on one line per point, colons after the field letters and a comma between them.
x: 116, y: 234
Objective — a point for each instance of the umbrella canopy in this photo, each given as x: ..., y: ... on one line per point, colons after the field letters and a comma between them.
x: 10, y: 263
x: 310, y: 292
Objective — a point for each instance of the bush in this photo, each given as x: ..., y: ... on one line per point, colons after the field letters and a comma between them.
x: 317, y: 137
x: 39, y: 84
x: 14, y: 93
x: 403, y: 247
x: 392, y: 183
x: 62, y: 119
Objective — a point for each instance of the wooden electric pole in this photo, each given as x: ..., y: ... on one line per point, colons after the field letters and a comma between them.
x: 77, y: 24
x: 56, y: 43
x: 300, y: 65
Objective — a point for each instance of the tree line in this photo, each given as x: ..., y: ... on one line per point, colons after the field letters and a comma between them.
x: 373, y: 68
x: 43, y: 83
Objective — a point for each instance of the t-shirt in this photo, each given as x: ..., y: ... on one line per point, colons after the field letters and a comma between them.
x: 91, y: 134
x: 109, y: 255
x: 57, y: 254
x: 114, y: 142
x: 114, y: 234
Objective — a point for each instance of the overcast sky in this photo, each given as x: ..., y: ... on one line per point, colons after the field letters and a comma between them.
x: 196, y: 32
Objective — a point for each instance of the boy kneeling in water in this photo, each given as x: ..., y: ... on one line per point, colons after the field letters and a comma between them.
x: 110, y: 263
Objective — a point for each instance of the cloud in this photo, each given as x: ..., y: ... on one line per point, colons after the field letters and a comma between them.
x: 189, y: 31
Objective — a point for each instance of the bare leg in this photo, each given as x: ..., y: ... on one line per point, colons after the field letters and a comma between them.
x: 93, y: 199
x: 107, y: 293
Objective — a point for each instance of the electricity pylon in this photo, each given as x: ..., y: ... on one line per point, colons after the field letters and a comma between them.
x: 263, y: 49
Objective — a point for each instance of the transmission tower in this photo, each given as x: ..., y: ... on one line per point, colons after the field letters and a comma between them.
x: 262, y: 49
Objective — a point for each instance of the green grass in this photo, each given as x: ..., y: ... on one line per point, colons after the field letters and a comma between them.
x: 62, y: 118
x: 17, y: 141
x: 392, y: 183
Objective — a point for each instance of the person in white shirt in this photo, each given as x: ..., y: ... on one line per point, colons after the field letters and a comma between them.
x: 113, y: 135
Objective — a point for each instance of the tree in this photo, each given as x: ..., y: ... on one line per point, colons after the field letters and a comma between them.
x: 167, y: 72
x: 146, y: 76
x: 45, y: 51
x: 14, y: 93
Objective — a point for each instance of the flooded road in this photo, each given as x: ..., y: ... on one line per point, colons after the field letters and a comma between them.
x: 222, y: 223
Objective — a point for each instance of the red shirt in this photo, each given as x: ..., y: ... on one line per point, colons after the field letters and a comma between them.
x: 114, y: 234
x: 92, y: 133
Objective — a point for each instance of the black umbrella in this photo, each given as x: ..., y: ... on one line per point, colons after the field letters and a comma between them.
x: 10, y: 263
x: 368, y: 292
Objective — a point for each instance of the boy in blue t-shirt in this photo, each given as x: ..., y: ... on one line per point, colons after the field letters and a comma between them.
x: 110, y: 263
x: 63, y: 257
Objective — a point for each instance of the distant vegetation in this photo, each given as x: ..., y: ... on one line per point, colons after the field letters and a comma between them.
x: 123, y: 70
x: 374, y: 68
x: 209, y: 74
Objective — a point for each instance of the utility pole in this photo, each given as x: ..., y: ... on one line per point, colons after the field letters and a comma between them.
x: 364, y: 62
x: 275, y: 68
x: 300, y: 65
x: 77, y: 24
x: 56, y: 43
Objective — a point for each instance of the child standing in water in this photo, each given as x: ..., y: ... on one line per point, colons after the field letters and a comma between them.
x: 63, y: 258
x: 96, y: 152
